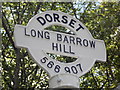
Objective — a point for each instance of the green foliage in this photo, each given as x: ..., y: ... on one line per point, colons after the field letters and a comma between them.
x: 103, y: 23
x: 102, y: 19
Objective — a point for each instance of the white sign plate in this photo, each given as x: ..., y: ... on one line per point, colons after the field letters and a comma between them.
x: 39, y: 41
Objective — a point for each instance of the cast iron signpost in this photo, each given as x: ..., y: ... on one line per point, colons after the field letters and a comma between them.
x: 80, y: 45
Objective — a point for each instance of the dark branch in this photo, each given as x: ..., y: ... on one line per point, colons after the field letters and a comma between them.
x: 37, y: 8
x: 74, y: 10
x: 34, y: 69
x: 95, y: 81
x: 7, y: 29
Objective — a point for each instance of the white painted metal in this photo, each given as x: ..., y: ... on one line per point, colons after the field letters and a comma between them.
x: 64, y: 81
x: 85, y: 52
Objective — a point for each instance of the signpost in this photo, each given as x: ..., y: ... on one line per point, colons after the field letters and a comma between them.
x: 80, y: 45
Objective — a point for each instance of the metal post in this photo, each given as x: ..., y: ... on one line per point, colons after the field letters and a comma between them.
x: 64, y: 81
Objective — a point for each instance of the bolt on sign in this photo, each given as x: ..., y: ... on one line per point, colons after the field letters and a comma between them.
x: 40, y: 41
